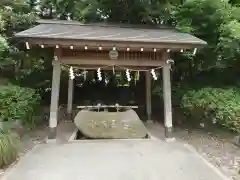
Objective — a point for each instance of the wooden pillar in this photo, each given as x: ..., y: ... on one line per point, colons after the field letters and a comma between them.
x: 54, y: 100
x: 148, y: 95
x: 167, y: 97
x: 70, y: 98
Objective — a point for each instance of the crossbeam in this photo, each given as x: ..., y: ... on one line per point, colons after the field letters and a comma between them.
x: 107, y: 106
x: 133, y: 63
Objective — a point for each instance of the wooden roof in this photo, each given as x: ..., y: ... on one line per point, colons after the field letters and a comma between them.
x: 73, y: 32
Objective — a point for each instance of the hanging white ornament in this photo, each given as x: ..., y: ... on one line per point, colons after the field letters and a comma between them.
x: 194, y: 51
x: 106, y: 81
x: 128, y: 75
x: 71, y: 73
x: 84, y: 75
x: 55, y: 58
x: 113, y: 70
x: 154, y: 74
x: 137, y: 75
x: 99, y: 74
x: 27, y: 45
x: 78, y: 74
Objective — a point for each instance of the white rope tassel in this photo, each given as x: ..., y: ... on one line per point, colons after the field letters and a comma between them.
x: 99, y: 74
x: 113, y: 69
x: 27, y: 45
x: 128, y: 75
x: 71, y: 73
x: 194, y: 51
x: 138, y: 75
x: 106, y: 81
x: 85, y: 75
x: 154, y: 74
x: 55, y: 58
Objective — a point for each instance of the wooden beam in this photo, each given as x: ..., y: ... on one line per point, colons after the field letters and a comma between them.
x: 109, y: 44
x: 87, y: 62
x: 107, y: 106
x: 54, y: 100
x: 110, y: 68
x: 167, y: 98
x: 104, y: 55
x: 70, y: 98
x: 148, y: 95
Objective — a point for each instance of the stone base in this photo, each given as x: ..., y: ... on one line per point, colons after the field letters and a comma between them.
x: 237, y: 140
x: 170, y: 139
x: 149, y: 121
x: 52, y: 134
x: 69, y: 117
x: 48, y: 141
x: 149, y: 117
x: 168, y: 132
x: 169, y: 135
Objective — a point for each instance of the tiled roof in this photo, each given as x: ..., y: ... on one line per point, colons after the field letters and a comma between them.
x: 69, y: 30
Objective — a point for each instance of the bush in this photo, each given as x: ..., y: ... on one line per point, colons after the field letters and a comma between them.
x: 9, y: 145
x: 18, y: 103
x: 214, y: 105
x: 3, y: 44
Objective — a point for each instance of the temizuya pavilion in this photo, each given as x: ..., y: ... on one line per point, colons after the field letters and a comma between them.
x: 94, y: 46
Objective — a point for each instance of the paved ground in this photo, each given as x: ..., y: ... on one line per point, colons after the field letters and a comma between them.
x: 112, y: 160
x: 217, y: 148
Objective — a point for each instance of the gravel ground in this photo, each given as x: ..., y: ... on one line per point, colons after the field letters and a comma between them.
x: 218, y: 149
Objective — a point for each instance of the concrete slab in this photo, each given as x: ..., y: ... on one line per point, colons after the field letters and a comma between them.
x: 113, y: 160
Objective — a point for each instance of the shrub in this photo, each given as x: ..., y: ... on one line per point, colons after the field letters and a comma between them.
x: 3, y: 44
x: 177, y: 93
x: 18, y: 103
x: 9, y: 145
x: 214, y: 105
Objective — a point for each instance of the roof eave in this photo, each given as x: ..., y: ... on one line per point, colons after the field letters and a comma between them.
x: 110, y: 43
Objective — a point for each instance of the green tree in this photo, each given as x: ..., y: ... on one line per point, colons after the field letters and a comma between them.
x: 215, y: 22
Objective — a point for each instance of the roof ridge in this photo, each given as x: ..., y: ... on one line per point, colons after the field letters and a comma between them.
x: 104, y: 24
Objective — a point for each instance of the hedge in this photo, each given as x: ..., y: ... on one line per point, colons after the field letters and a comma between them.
x: 18, y: 103
x: 214, y: 105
